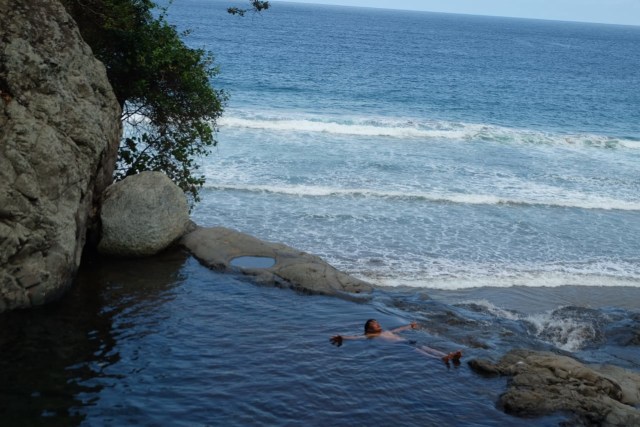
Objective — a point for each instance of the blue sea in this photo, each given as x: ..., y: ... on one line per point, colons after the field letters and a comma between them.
x: 428, y: 150
x: 482, y: 172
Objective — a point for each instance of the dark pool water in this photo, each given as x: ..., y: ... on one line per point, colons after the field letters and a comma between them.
x: 166, y: 341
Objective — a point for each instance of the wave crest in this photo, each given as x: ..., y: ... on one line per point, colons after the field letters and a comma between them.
x: 426, y: 130
x: 578, y: 201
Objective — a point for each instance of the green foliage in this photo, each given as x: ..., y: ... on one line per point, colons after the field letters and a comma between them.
x: 171, y: 110
x: 256, y: 6
x: 169, y: 107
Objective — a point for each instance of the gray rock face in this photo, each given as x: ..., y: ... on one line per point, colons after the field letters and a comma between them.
x: 543, y: 383
x: 59, y: 134
x: 217, y: 247
x: 142, y: 215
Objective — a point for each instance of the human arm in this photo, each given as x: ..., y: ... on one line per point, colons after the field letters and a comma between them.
x: 337, y: 339
x: 412, y: 325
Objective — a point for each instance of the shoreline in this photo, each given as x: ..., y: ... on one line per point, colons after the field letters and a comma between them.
x: 219, y: 247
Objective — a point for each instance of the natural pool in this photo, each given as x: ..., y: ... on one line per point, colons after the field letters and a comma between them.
x: 253, y: 262
x: 165, y: 341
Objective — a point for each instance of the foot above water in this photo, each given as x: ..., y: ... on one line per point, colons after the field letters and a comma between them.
x: 455, y: 356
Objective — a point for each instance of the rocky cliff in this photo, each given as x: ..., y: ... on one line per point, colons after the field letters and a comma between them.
x: 59, y: 132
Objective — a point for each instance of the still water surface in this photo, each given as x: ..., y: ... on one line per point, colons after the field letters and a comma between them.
x: 166, y: 341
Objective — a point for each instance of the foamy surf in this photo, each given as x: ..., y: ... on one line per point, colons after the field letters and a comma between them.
x: 567, y: 328
x: 419, y: 129
x: 568, y: 200
x: 456, y: 275
x: 542, y: 280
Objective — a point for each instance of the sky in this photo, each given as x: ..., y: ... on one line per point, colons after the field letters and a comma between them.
x: 626, y: 12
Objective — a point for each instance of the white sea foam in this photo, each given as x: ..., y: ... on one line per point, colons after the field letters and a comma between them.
x: 566, y: 333
x: 358, y: 129
x: 565, y: 330
x: 418, y: 129
x: 631, y: 144
x: 455, y: 275
x: 570, y: 328
x: 565, y: 199
x: 476, y: 281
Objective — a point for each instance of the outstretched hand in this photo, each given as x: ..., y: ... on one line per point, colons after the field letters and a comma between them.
x: 336, y: 340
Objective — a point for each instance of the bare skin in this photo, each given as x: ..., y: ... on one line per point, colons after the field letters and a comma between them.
x: 374, y: 330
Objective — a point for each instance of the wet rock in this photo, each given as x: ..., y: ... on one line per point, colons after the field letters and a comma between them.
x: 217, y: 247
x: 59, y: 133
x: 543, y: 383
x: 484, y: 367
x: 142, y: 215
x: 626, y: 331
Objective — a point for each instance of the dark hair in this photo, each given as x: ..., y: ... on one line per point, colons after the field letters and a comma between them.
x: 367, y: 324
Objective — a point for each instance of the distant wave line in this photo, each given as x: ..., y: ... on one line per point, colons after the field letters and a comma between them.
x: 599, y: 203
x: 425, y: 130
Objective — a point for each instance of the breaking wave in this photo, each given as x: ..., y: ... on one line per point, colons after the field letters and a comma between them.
x: 428, y: 130
x: 581, y: 201
x: 568, y: 328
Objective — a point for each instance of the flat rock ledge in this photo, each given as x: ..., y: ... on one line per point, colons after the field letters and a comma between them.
x: 544, y: 383
x: 216, y: 248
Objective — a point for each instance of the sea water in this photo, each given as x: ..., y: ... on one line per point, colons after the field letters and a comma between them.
x: 165, y: 341
x: 483, y: 160
x: 490, y: 162
x: 428, y: 150
x: 484, y: 168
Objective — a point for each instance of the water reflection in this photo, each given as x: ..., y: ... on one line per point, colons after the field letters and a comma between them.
x: 48, y: 356
x: 165, y: 340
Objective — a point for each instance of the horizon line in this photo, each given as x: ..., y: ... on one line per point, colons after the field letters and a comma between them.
x: 311, y: 3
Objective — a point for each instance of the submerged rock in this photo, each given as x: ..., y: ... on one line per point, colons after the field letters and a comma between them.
x: 218, y: 247
x: 142, y: 215
x: 543, y: 383
x: 59, y: 133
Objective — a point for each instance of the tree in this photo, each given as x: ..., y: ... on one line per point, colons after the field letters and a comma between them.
x: 169, y: 107
x: 256, y: 6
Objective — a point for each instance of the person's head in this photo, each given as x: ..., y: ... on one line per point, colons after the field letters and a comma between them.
x: 372, y: 327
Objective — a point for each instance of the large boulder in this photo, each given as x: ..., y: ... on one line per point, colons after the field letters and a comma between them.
x: 544, y: 383
x: 142, y: 215
x: 59, y: 134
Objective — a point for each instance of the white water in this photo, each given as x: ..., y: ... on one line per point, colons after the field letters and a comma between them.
x: 414, y: 128
x: 551, y: 197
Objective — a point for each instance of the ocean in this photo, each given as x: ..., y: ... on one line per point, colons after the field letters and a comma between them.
x: 482, y: 172
x: 428, y: 150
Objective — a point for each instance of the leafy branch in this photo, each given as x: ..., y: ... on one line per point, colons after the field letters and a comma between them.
x: 256, y: 6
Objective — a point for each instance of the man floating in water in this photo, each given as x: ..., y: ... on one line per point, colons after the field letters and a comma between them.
x: 372, y: 329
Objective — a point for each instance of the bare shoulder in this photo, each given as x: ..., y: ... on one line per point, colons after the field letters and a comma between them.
x: 390, y: 336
